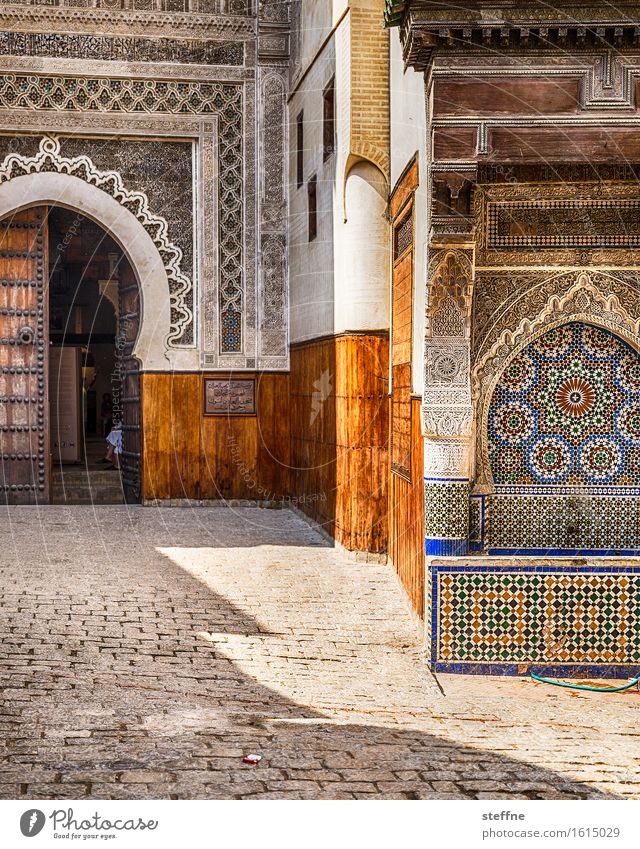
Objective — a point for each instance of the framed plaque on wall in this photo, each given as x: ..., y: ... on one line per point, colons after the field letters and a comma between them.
x: 229, y: 396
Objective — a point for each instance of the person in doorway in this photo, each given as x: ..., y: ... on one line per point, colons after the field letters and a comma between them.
x: 114, y: 445
x: 106, y: 413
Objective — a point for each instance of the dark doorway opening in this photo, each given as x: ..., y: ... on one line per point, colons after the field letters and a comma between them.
x: 88, y: 359
x: 93, y: 324
x: 69, y: 319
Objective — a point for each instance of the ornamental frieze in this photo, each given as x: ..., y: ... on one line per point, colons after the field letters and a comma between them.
x: 504, y: 300
x: 204, y: 7
x: 126, y: 22
x: 561, y: 223
x: 120, y: 48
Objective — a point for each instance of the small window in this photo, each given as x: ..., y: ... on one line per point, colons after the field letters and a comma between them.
x: 312, y: 200
x: 403, y: 235
x: 300, y: 149
x: 329, y: 120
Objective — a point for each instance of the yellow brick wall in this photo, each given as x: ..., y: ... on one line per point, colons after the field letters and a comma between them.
x: 369, y: 83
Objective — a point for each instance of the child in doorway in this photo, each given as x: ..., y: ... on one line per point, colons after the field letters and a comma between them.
x: 114, y: 445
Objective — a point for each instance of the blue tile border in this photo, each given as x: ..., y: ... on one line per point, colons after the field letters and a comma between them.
x: 562, y: 552
x: 446, y: 480
x: 446, y: 547
x: 556, y: 568
x: 576, y: 670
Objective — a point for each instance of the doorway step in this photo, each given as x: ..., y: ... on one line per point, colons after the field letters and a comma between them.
x: 82, y: 486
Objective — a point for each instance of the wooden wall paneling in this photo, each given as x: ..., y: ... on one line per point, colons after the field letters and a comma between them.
x: 313, y: 430
x: 564, y: 144
x: 407, y: 519
x: 337, y: 457
x: 186, y: 411
x: 273, y: 443
x: 450, y: 143
x: 156, y: 423
x: 367, y: 410
x: 406, y: 490
x: 188, y: 455
x: 320, y: 434
x: 471, y: 96
x: 376, y: 409
x: 229, y: 457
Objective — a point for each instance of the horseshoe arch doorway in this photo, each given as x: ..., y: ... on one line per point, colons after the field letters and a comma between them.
x: 70, y: 311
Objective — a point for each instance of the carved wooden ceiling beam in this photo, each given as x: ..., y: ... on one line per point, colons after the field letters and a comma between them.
x: 427, y: 27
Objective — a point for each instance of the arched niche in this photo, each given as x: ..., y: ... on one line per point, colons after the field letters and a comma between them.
x: 362, y: 252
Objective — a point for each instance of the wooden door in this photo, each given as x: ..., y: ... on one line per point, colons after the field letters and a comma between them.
x: 24, y: 336
x: 128, y: 324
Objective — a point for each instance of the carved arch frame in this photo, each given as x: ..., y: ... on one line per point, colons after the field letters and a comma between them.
x: 583, y: 302
x: 73, y: 193
x: 49, y: 160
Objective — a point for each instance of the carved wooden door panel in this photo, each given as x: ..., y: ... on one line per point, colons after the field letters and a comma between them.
x: 129, y: 322
x: 24, y: 334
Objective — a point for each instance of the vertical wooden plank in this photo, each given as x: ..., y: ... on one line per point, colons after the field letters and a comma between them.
x: 156, y: 423
x: 273, y: 435
x: 339, y: 443
x: 406, y: 455
x: 185, y: 436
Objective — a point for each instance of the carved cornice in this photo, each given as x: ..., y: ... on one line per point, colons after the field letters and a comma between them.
x: 600, y: 245
x: 513, y: 26
x: 129, y: 70
x: 127, y: 23
x: 108, y: 48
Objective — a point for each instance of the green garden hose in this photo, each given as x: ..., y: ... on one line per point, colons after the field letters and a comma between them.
x: 585, y: 687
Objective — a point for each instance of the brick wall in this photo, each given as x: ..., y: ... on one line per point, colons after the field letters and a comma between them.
x: 370, y: 83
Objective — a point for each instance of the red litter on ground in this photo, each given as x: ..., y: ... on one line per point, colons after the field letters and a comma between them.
x: 251, y: 759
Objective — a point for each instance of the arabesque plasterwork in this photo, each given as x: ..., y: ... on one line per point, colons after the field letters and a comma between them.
x: 446, y: 409
x: 198, y: 77
x: 611, y: 245
x: 49, y: 158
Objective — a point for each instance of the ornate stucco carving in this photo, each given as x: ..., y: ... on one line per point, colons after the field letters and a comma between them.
x: 273, y: 287
x: 450, y: 278
x: 119, y: 48
x: 595, y: 223
x: 49, y: 158
x: 214, y: 76
x: 57, y: 18
x: 446, y: 409
x: 506, y: 301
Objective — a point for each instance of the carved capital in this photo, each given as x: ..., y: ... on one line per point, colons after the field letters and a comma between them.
x: 447, y: 421
x: 446, y: 458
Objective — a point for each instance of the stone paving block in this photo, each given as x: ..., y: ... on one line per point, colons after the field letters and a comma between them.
x: 145, y: 654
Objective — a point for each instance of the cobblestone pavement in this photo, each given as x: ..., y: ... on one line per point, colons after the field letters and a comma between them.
x: 145, y: 651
